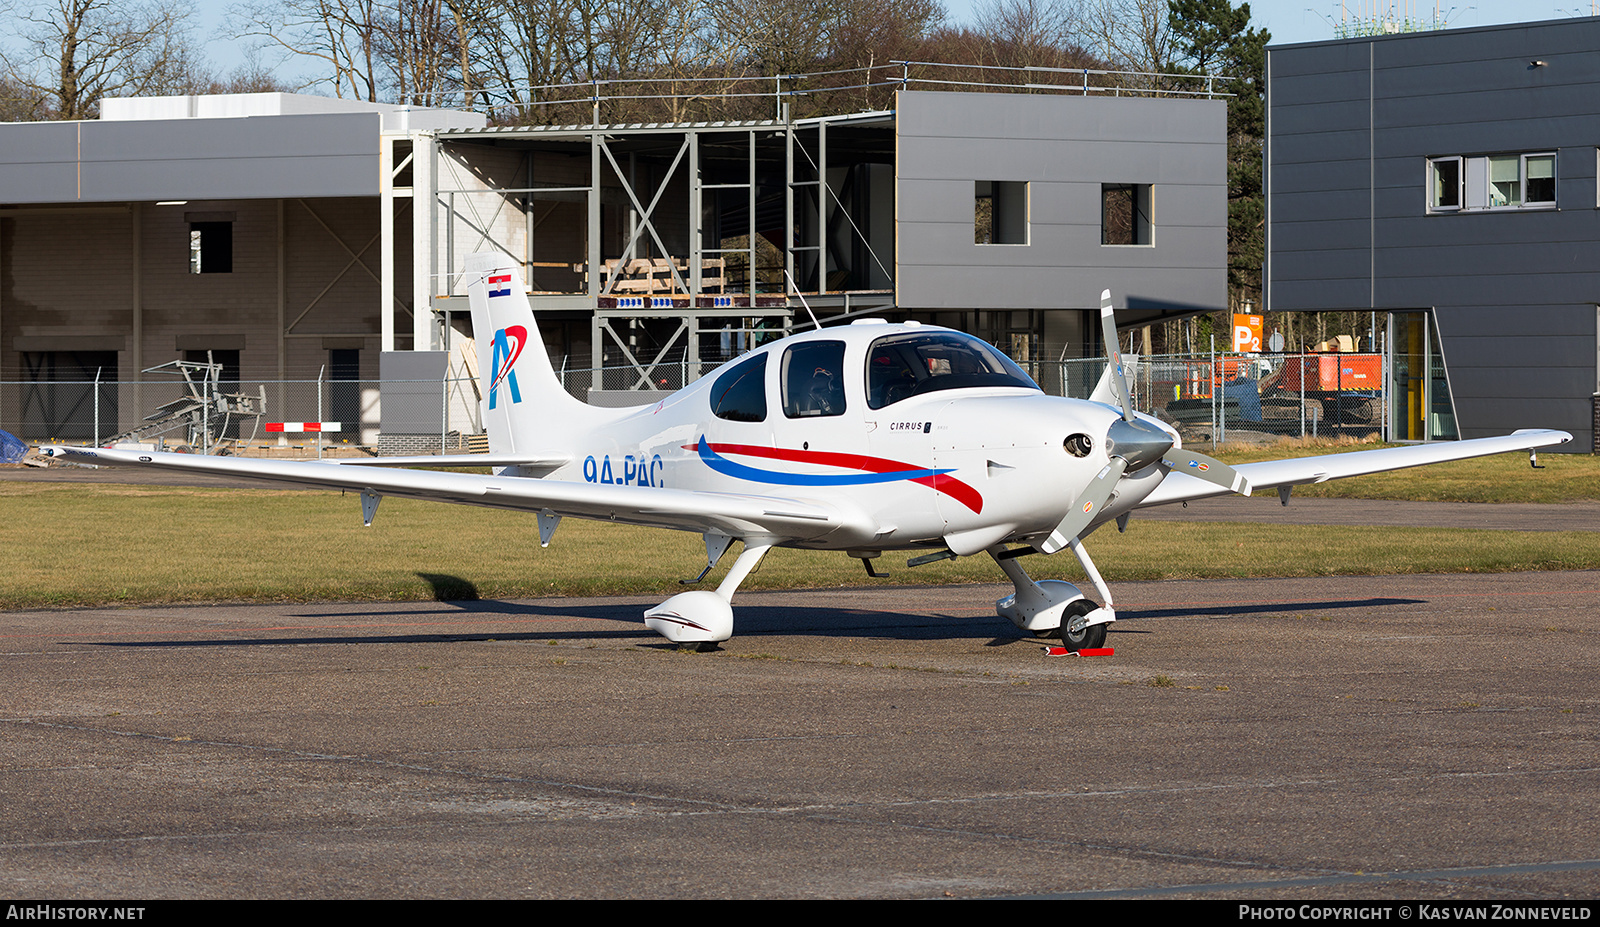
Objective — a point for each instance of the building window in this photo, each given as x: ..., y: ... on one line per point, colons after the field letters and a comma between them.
x: 344, y: 388
x: 1125, y: 214
x: 1492, y: 182
x: 1000, y: 212
x: 1505, y: 181
x: 1444, y: 184
x: 211, y: 247
x: 1539, y: 180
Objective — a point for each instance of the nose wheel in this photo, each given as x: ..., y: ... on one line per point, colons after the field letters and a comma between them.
x: 1090, y: 638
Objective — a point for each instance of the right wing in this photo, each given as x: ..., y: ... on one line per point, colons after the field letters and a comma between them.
x: 1297, y: 471
x: 732, y: 514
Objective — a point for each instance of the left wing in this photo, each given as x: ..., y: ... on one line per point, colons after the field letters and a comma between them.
x: 1180, y: 487
x: 731, y: 514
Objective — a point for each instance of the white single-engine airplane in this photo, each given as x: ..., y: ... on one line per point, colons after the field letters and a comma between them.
x: 861, y: 438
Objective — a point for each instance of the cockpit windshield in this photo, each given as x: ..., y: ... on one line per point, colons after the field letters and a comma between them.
x: 910, y: 364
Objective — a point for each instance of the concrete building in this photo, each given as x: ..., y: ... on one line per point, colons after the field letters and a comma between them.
x: 1448, y: 179
x: 278, y: 233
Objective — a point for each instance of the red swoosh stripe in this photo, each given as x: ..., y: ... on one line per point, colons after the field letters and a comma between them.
x: 949, y: 485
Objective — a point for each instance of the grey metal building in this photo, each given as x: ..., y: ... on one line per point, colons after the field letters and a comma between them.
x: 292, y: 233
x: 1448, y: 179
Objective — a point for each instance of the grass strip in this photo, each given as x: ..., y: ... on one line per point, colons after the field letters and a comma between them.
x: 104, y: 544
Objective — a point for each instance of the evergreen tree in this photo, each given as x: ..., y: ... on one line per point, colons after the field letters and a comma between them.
x: 1212, y: 36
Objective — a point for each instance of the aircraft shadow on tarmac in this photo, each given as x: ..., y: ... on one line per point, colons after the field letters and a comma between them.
x: 754, y: 620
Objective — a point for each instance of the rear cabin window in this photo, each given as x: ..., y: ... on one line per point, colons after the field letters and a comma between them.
x: 811, y: 379
x: 740, y: 395
x: 906, y: 365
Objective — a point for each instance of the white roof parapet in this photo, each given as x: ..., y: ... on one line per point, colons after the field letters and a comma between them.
x: 396, y: 118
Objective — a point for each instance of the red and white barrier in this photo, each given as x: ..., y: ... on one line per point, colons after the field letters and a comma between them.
x: 302, y: 427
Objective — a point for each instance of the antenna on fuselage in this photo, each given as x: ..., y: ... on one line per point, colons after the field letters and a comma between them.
x: 802, y: 296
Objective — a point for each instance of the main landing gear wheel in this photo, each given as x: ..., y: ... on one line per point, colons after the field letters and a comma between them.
x: 1089, y: 638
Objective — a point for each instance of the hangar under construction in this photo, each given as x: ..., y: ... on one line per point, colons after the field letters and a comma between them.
x: 287, y: 238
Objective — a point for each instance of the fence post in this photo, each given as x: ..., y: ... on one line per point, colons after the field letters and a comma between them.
x: 320, y: 371
x: 97, y: 372
x: 1388, y: 430
x: 205, y: 410
x: 1211, y: 374
x: 444, y: 416
x: 1222, y: 402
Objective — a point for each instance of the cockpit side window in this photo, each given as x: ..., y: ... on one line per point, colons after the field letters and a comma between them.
x: 740, y: 395
x: 906, y: 365
x: 811, y: 379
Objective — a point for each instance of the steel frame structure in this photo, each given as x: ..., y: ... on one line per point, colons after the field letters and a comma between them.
x: 459, y: 206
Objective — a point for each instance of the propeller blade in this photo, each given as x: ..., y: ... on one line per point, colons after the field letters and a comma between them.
x: 1206, y: 468
x: 1088, y: 505
x: 1119, y: 381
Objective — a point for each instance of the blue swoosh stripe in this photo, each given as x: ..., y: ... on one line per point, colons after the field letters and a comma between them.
x: 756, y: 475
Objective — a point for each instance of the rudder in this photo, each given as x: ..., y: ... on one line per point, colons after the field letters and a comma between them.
x: 523, y: 403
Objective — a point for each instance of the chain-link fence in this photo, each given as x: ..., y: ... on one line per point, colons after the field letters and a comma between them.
x: 289, y: 417
x: 1211, y: 398
x: 1222, y: 397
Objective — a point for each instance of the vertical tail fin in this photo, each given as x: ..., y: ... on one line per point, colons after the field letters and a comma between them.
x: 524, y: 406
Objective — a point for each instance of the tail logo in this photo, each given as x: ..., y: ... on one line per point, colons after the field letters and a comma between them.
x: 508, y: 345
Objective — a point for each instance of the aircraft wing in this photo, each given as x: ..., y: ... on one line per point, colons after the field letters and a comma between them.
x: 1267, y: 474
x: 727, y: 513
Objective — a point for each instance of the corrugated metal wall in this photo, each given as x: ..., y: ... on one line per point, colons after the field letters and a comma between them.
x: 1352, y: 125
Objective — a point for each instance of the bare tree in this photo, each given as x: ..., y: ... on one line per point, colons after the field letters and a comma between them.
x: 343, y: 34
x: 1131, y: 34
x: 19, y: 103
x: 878, y: 31
x: 524, y: 47
x: 1030, y: 33
x: 250, y: 76
x: 695, y: 57
x: 77, y: 52
x: 782, y: 36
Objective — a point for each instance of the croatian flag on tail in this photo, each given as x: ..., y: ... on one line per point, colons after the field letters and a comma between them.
x: 500, y: 285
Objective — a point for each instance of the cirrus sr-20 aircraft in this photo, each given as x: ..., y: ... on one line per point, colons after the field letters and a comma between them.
x: 861, y: 438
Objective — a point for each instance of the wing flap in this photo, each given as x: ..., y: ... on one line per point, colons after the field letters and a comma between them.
x: 545, y: 462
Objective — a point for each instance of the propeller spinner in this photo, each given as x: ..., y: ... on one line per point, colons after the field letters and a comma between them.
x: 1131, y: 445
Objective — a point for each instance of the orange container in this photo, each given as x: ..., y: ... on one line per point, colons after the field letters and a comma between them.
x: 1327, y: 373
